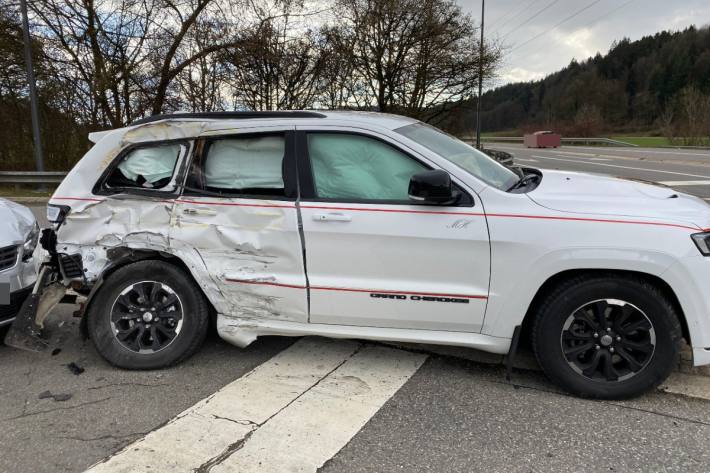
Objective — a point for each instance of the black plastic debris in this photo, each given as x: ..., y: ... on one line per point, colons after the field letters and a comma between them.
x: 56, y: 351
x: 74, y: 368
x: 56, y: 397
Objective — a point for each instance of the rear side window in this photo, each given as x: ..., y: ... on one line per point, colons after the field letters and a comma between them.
x: 354, y: 167
x: 147, y: 167
x: 245, y: 165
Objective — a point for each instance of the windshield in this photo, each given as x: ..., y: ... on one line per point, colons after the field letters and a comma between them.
x: 461, y: 154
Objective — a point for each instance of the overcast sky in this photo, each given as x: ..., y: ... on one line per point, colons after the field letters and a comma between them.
x: 592, y: 30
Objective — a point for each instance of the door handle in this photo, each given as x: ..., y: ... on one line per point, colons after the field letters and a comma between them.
x: 199, y: 211
x: 332, y: 217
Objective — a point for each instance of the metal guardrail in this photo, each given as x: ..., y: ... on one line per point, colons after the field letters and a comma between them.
x: 588, y: 141
x: 31, y: 177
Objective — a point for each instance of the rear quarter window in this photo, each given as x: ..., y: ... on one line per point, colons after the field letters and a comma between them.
x: 146, y: 167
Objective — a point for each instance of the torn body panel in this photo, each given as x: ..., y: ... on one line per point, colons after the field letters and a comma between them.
x: 247, y: 260
x: 253, y: 251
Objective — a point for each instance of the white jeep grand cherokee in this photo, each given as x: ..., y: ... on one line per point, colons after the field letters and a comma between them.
x: 372, y: 226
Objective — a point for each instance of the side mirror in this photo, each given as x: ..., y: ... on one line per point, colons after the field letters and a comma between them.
x: 431, y: 186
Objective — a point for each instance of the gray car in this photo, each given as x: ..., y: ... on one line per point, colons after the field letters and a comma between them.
x: 19, y: 233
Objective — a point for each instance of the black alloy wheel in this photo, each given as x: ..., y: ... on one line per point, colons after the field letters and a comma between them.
x: 606, y: 335
x: 146, y: 316
x: 608, y: 339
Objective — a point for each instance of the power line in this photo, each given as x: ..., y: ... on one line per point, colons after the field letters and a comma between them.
x: 569, y: 18
x: 514, y: 16
x: 532, y: 17
x: 614, y: 10
x: 557, y: 24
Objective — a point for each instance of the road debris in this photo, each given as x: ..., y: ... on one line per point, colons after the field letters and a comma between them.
x: 56, y: 397
x: 74, y: 368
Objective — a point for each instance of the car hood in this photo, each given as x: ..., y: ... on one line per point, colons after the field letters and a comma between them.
x: 17, y: 221
x: 602, y: 195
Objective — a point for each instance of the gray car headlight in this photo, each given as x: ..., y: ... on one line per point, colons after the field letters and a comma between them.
x: 30, y: 243
x: 702, y: 241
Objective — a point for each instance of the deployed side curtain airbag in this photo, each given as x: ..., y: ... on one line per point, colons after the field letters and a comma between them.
x: 356, y: 167
x: 152, y: 164
x: 245, y: 163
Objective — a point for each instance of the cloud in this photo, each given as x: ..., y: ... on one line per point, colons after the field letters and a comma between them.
x: 519, y: 74
x: 592, y: 31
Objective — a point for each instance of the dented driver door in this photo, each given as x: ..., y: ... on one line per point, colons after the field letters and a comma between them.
x: 238, y: 213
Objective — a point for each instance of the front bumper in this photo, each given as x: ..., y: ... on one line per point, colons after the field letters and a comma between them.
x: 8, y: 311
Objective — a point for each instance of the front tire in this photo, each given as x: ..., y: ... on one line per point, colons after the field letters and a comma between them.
x: 606, y: 337
x: 148, y: 315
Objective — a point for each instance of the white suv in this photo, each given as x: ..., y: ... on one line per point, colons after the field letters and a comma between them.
x: 373, y: 226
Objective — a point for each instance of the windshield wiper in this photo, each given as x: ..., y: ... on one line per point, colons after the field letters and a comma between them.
x: 523, y: 181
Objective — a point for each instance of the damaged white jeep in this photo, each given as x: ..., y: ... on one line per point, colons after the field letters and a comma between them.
x: 371, y: 226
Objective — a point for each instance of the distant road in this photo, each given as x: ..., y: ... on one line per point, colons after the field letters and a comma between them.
x: 684, y: 170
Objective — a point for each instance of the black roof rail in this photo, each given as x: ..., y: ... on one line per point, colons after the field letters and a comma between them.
x: 229, y: 115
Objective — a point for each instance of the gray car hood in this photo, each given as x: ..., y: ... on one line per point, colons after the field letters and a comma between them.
x: 17, y: 221
x: 602, y: 195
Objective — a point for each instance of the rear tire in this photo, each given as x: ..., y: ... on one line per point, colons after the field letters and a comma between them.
x: 606, y: 337
x: 148, y: 315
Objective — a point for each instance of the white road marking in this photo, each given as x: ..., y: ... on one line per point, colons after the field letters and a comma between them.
x: 527, y: 160
x: 675, y: 151
x: 685, y: 183
x: 623, y: 167
x: 309, y: 399
x: 672, y: 151
x: 314, y: 428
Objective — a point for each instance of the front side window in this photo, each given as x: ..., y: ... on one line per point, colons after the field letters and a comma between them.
x: 465, y: 156
x: 355, y: 167
x: 147, y: 167
x: 244, y: 165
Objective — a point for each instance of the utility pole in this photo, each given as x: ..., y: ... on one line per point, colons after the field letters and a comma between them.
x: 39, y: 160
x: 480, y: 79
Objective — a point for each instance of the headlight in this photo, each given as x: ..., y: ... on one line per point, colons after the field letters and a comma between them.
x: 30, y: 243
x: 702, y: 241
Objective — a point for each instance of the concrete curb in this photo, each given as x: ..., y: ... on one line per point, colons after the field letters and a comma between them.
x: 525, y: 359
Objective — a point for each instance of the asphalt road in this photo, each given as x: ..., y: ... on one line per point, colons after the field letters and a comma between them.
x: 450, y: 415
x: 685, y: 170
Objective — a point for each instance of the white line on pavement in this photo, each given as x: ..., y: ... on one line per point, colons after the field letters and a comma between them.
x: 671, y: 151
x: 675, y: 151
x: 685, y: 183
x: 314, y: 428
x: 622, y: 167
x: 310, y: 399
x: 595, y: 156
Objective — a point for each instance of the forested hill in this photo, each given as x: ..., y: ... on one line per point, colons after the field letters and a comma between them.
x: 637, y: 85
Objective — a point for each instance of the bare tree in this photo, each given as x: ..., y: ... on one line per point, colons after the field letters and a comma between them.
x: 200, y: 85
x: 97, y: 47
x: 279, y: 60
x: 413, y: 56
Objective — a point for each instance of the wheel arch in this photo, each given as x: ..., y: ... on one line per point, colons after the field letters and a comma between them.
x: 554, y: 280
x: 122, y: 256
